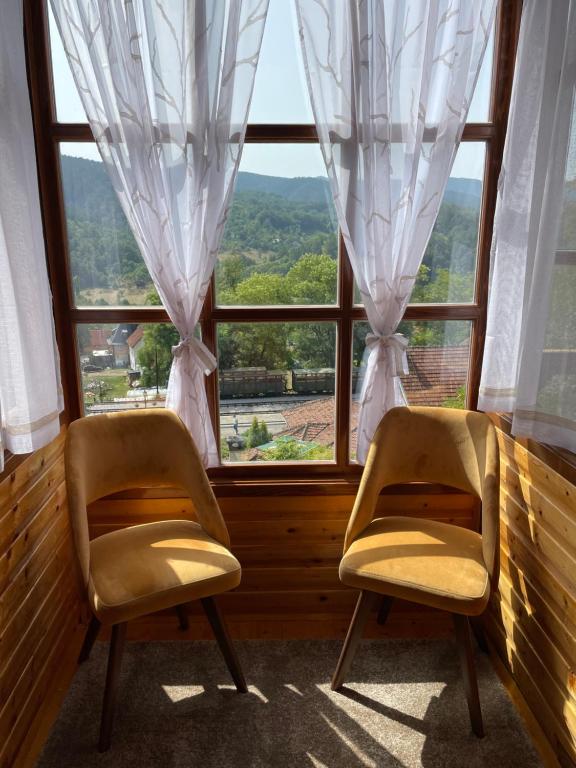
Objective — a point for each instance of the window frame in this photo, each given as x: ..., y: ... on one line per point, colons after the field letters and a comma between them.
x: 50, y: 134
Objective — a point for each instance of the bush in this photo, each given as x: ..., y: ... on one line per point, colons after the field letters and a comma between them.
x: 257, y: 434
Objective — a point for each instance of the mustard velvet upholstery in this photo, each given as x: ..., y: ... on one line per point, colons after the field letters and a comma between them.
x: 403, y: 557
x: 144, y: 568
x: 432, y: 563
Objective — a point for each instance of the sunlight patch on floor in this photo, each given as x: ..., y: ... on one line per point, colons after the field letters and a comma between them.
x: 180, y: 693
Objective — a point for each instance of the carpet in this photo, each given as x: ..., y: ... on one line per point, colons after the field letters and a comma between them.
x: 403, y: 705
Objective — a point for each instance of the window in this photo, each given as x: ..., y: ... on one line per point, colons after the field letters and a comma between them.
x: 282, y: 316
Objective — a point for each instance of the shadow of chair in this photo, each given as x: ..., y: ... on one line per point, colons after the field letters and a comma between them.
x: 141, y: 569
x: 421, y: 560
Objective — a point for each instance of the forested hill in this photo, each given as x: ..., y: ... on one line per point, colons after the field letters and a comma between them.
x: 89, y: 195
x: 272, y: 223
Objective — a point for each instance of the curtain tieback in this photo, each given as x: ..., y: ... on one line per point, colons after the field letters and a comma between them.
x: 199, y: 349
x: 397, y: 344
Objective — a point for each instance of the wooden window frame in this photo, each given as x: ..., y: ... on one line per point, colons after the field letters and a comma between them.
x: 49, y: 134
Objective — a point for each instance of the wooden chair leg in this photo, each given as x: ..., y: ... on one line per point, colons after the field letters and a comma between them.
x: 182, y: 617
x: 224, y: 642
x: 384, y: 610
x: 353, y: 637
x: 466, y: 653
x: 89, y: 640
x: 111, y: 689
x: 478, y: 631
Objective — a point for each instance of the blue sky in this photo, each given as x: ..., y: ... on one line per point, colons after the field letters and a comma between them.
x: 280, y: 96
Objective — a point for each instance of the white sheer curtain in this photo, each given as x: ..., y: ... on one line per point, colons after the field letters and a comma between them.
x: 529, y: 363
x: 390, y: 84
x: 166, y: 87
x: 30, y: 392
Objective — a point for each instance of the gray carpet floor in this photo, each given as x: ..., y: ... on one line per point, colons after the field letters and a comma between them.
x: 404, y: 705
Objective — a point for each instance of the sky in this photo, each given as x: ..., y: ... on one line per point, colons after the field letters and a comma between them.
x: 280, y: 96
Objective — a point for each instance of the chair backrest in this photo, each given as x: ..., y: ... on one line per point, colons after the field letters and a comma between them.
x: 119, y: 451
x: 454, y: 447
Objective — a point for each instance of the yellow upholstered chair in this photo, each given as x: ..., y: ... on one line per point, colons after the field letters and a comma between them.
x: 421, y: 560
x: 145, y: 568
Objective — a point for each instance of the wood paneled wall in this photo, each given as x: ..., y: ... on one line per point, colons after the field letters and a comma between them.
x: 289, y: 543
x: 532, y: 617
x: 39, y: 605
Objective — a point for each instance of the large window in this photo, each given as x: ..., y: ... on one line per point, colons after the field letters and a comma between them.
x: 282, y: 316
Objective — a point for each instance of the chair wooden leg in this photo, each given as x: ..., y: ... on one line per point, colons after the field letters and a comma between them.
x: 89, y: 640
x: 111, y: 689
x: 224, y: 642
x: 384, y: 610
x: 466, y: 653
x: 182, y: 617
x: 363, y: 606
x: 478, y: 631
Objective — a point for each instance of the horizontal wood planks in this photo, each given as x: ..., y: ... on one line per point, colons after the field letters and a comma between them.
x: 532, y: 617
x: 39, y: 602
x: 289, y: 547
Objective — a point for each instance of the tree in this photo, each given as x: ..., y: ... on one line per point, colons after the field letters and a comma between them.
x: 312, y: 280
x: 257, y: 434
x: 458, y: 401
x: 155, y: 357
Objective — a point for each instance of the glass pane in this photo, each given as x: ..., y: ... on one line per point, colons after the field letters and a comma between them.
x: 105, y: 262
x: 438, y: 360
x: 280, y: 245
x: 276, y: 384
x: 69, y: 108
x: 448, y: 270
x: 124, y: 365
x: 280, y: 91
x: 479, y: 111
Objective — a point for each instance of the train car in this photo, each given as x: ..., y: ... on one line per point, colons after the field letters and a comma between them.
x: 252, y: 382
x: 308, y: 381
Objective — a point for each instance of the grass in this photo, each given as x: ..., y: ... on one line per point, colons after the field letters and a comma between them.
x: 114, y: 384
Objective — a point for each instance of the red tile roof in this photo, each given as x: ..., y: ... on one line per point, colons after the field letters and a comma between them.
x: 135, y: 337
x: 99, y: 338
x: 436, y: 375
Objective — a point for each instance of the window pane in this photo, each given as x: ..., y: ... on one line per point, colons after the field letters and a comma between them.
x: 438, y: 360
x: 105, y: 262
x: 479, y: 111
x: 69, y: 108
x: 124, y: 365
x: 448, y: 270
x: 280, y: 90
x: 276, y: 384
x: 280, y: 245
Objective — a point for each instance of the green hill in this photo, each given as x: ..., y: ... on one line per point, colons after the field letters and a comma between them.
x: 273, y: 221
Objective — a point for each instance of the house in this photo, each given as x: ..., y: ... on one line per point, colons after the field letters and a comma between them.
x: 118, y: 340
x: 135, y: 342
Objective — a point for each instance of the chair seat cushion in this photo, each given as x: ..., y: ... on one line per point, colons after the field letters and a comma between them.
x: 420, y: 560
x: 145, y: 568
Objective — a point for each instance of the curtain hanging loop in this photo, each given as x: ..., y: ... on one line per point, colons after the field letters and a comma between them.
x: 397, y: 344
x: 199, y: 349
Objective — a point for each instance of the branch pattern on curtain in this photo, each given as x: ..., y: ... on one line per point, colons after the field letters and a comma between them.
x: 390, y: 84
x: 166, y: 87
x: 30, y: 392
x: 529, y: 365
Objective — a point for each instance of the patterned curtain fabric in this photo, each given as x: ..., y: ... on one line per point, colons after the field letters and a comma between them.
x: 166, y: 87
x: 30, y: 392
x: 529, y: 363
x: 390, y: 84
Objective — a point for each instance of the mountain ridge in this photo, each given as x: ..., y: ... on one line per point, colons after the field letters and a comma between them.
x: 88, y: 193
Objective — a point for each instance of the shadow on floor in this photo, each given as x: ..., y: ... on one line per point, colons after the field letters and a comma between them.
x: 403, y: 705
